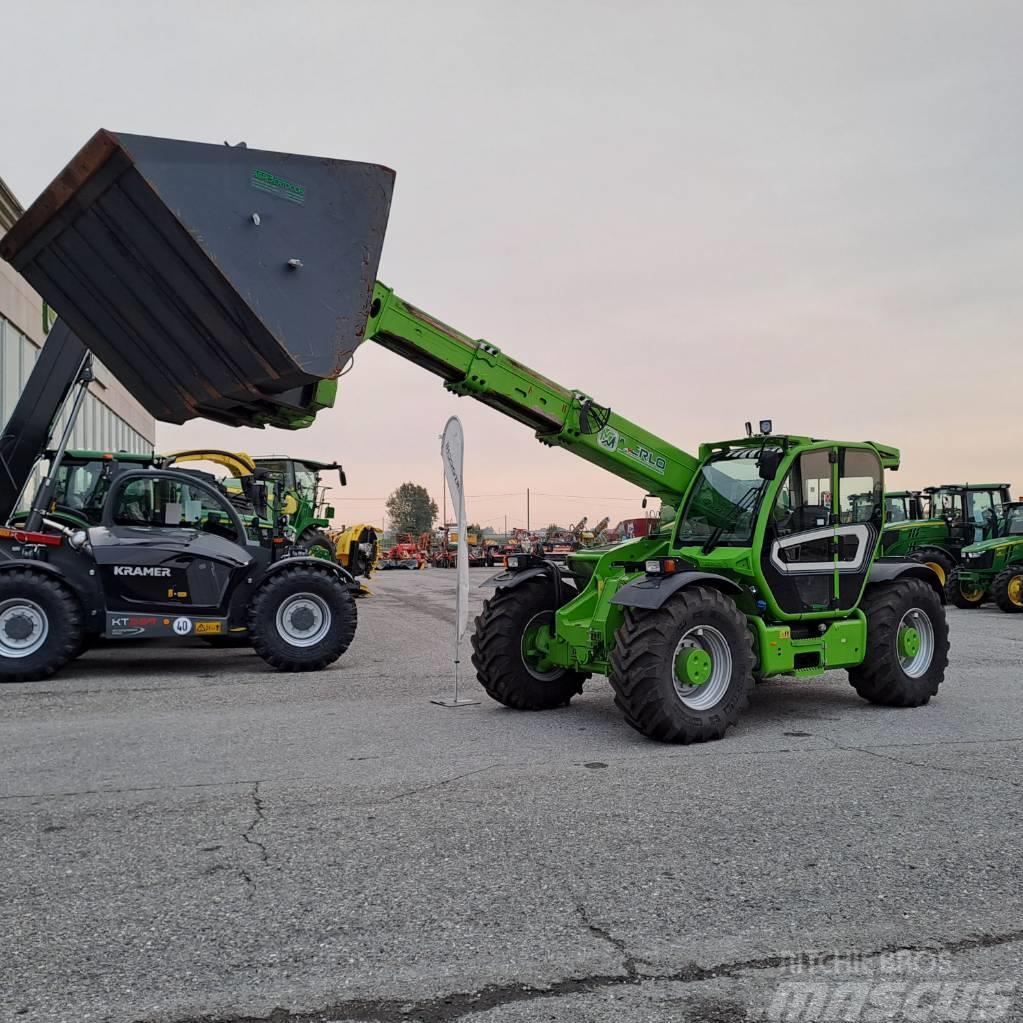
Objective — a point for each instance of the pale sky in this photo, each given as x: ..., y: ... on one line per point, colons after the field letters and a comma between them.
x: 699, y: 213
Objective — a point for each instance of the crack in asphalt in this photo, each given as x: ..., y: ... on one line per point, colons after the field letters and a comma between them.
x: 457, y: 1005
x: 260, y: 817
x: 433, y: 785
x: 874, y: 752
x: 629, y: 961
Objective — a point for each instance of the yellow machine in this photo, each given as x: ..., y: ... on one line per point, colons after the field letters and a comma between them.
x: 357, y: 548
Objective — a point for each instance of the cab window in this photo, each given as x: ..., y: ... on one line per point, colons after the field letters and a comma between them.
x: 804, y: 500
x: 162, y: 502
x: 980, y: 510
x: 859, y: 487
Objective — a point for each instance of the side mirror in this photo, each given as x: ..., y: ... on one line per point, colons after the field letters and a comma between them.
x: 767, y: 464
x: 342, y: 477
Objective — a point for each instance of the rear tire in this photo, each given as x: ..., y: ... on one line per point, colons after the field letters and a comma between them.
x: 645, y: 674
x: 302, y: 619
x: 898, y: 669
x: 40, y: 625
x: 937, y: 560
x: 965, y: 599
x: 500, y: 660
x: 1008, y: 589
x: 319, y: 545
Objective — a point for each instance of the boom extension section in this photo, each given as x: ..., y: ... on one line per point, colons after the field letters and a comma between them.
x: 560, y: 417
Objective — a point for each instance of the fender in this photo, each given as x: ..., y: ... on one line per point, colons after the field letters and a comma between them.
x: 87, y: 589
x: 652, y: 591
x: 508, y: 580
x: 346, y: 577
x: 885, y: 570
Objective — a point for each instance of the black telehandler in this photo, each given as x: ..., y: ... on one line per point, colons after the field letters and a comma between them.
x: 166, y: 553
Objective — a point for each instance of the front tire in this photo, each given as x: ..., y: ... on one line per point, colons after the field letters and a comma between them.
x: 683, y: 672
x: 319, y: 545
x: 1008, y: 589
x: 961, y: 596
x: 302, y: 619
x: 40, y: 625
x: 507, y: 649
x: 907, y: 644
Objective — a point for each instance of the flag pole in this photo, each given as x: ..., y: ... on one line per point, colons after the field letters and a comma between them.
x: 452, y: 447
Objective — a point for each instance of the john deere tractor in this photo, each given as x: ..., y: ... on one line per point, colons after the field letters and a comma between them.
x: 993, y: 568
x: 244, y: 263
x: 958, y: 515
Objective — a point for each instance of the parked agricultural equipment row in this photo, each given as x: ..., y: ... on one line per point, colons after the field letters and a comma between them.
x: 253, y: 272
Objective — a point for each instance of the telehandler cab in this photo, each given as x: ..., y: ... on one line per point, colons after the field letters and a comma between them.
x: 767, y: 567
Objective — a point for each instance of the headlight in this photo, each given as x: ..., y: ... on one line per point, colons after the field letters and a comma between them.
x: 653, y: 567
x: 513, y: 562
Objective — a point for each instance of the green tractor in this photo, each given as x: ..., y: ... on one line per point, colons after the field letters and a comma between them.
x: 993, y: 568
x: 308, y: 512
x: 958, y: 515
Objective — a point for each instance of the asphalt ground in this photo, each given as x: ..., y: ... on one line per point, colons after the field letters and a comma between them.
x: 185, y: 835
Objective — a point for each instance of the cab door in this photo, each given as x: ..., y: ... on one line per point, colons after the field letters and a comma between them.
x: 169, y: 545
x: 823, y: 530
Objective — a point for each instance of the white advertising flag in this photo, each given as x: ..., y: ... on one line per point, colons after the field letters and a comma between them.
x: 452, y: 449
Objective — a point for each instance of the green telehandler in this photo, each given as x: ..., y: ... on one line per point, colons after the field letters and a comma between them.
x: 993, y: 568
x: 959, y: 514
x: 765, y: 566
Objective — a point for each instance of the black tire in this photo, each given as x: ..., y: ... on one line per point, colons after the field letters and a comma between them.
x: 35, y: 604
x: 940, y: 562
x: 1008, y: 589
x: 316, y: 541
x: 316, y: 594
x: 955, y: 594
x: 883, y: 677
x: 644, y: 677
x: 497, y: 653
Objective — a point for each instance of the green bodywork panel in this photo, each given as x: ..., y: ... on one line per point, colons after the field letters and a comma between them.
x: 902, y: 538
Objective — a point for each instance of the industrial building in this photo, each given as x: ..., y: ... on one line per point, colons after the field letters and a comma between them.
x: 112, y: 420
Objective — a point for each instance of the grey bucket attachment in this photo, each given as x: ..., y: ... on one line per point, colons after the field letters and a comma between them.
x: 213, y: 281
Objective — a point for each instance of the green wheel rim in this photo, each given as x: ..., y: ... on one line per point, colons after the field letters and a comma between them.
x: 916, y: 642
x: 701, y: 652
x: 535, y: 648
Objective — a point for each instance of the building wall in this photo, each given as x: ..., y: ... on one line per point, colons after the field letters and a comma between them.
x: 112, y: 420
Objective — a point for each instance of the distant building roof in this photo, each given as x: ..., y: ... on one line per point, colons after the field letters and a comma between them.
x: 10, y: 208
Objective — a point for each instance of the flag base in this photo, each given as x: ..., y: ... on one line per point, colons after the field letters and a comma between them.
x: 456, y: 702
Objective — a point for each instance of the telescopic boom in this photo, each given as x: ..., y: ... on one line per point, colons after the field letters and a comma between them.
x: 561, y: 417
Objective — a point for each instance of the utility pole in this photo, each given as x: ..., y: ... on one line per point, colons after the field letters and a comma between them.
x: 506, y: 527
x: 527, y: 509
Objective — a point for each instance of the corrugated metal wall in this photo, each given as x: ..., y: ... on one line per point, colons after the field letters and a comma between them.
x: 98, y: 428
